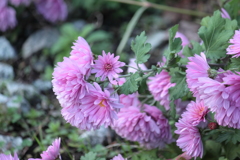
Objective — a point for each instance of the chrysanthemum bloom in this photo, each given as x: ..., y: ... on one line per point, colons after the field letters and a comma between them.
x: 189, y: 138
x: 52, y: 152
x: 3, y: 3
x: 118, y: 157
x: 81, y: 52
x: 130, y: 100
x: 52, y: 10
x: 132, y: 63
x: 225, y: 14
x: 68, y: 82
x: 159, y: 85
x: 7, y: 17
x: 95, y: 109
x: 107, y: 66
x: 18, y: 2
x: 195, y: 112
x: 9, y: 157
x: 234, y: 48
x: 149, y: 127
x: 184, y: 39
x: 196, y: 68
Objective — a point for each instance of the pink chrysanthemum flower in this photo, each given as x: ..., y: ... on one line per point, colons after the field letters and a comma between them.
x: 234, y: 48
x: 7, y: 17
x: 195, y: 112
x: 52, y: 10
x: 18, y: 2
x: 189, y: 138
x: 225, y: 14
x: 132, y: 63
x: 68, y: 82
x: 149, y: 127
x: 52, y: 152
x: 9, y: 157
x: 95, y: 109
x: 3, y: 3
x: 196, y: 68
x: 159, y: 85
x: 107, y: 66
x: 118, y: 157
x: 81, y: 52
x: 130, y: 100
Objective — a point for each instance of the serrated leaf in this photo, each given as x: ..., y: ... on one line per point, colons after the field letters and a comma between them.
x: 215, y: 33
x: 89, y: 156
x: 131, y: 84
x: 140, y: 48
x: 180, y: 89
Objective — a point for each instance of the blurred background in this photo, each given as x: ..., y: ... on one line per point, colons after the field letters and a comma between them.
x: 36, y: 34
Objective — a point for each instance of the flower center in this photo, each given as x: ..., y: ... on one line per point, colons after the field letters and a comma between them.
x: 108, y: 67
x: 101, y: 103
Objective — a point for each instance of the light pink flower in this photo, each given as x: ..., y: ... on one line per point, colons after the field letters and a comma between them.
x: 81, y: 52
x: 132, y: 63
x: 95, y: 109
x: 225, y: 14
x: 234, y: 48
x: 148, y: 127
x: 185, y: 42
x: 195, y: 113
x: 130, y: 100
x: 3, y: 3
x: 107, y: 66
x: 52, y: 10
x: 52, y: 152
x: 118, y: 157
x: 189, y: 139
x: 68, y: 82
x: 159, y: 85
x: 18, y: 2
x: 7, y: 17
x: 8, y: 157
x: 196, y: 68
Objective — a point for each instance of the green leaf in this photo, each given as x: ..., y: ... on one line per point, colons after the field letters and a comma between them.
x: 215, y: 33
x: 235, y: 63
x: 232, y: 151
x: 232, y: 8
x: 180, y: 89
x: 89, y: 156
x: 131, y: 84
x: 140, y: 48
x: 212, y: 148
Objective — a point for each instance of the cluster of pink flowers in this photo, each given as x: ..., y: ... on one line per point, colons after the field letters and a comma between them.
x: 86, y: 105
x: 144, y: 124
x: 220, y: 93
x: 7, y: 16
x: 187, y: 127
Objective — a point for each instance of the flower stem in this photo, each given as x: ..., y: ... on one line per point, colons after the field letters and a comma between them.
x: 162, y: 7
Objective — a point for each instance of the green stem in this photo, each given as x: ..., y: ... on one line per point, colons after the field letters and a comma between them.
x: 162, y: 7
x: 129, y: 29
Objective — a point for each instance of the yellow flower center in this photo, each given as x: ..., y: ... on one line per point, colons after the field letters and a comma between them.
x: 101, y: 104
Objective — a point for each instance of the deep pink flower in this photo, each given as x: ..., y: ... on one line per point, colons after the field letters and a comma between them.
x: 130, y: 100
x: 52, y: 152
x: 195, y: 113
x: 18, y: 2
x: 132, y: 63
x: 196, y: 68
x: 7, y: 17
x: 118, y: 157
x: 159, y: 85
x: 52, y: 10
x: 225, y: 14
x: 189, y: 139
x: 68, y: 82
x: 95, y: 109
x: 8, y: 157
x: 81, y: 52
x: 107, y: 66
x: 234, y: 48
x: 149, y: 127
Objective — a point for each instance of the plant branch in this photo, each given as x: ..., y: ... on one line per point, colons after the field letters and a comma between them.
x: 162, y: 7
